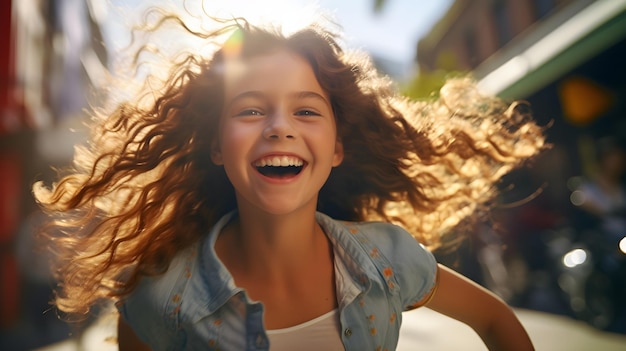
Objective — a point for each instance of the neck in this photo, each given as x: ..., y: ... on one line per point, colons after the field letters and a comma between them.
x: 272, y: 246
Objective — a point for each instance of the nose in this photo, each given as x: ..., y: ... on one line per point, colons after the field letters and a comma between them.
x: 278, y: 127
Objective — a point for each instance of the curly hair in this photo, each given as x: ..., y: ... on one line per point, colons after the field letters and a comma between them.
x: 144, y: 188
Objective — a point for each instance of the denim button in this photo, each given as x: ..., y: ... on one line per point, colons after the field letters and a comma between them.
x: 347, y: 332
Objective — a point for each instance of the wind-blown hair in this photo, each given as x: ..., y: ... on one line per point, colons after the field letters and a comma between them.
x: 145, y: 188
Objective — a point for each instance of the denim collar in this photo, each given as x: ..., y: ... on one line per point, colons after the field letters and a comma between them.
x: 210, y: 279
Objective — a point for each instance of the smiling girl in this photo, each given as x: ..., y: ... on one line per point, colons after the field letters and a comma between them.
x: 274, y: 196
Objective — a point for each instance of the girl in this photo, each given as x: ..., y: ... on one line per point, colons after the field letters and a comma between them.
x: 263, y: 199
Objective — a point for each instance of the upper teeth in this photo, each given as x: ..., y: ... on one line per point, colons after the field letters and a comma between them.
x: 279, y: 161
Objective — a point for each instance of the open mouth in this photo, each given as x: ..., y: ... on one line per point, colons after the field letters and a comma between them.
x: 279, y: 166
x: 279, y: 172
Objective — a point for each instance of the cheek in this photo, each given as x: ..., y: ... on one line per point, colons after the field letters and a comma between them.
x: 235, y: 141
x: 235, y: 135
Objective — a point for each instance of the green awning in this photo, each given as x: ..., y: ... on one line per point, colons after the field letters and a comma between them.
x: 520, y: 70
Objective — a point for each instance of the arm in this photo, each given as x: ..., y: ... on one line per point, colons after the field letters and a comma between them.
x: 126, y: 338
x: 467, y: 302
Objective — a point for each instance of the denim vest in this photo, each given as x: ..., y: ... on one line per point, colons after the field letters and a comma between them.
x: 380, y: 271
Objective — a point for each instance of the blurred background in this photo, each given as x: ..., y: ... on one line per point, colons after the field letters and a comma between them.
x: 554, y: 246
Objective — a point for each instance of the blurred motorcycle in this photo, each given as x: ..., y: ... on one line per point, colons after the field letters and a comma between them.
x: 591, y: 274
x: 590, y: 267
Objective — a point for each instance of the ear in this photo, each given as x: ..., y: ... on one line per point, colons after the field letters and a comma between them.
x: 216, y: 154
x: 338, y: 158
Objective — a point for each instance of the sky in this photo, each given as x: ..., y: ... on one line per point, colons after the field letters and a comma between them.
x: 391, y: 34
x: 394, y: 32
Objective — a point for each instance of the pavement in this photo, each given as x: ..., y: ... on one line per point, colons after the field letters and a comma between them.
x: 422, y: 329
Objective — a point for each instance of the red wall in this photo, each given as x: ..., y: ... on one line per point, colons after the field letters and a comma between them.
x: 10, y: 171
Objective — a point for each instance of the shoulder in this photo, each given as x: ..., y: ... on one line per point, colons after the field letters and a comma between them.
x: 390, y: 239
x: 387, y: 244
x: 405, y: 265
x: 386, y: 234
x: 160, y: 286
x: 394, y: 242
x: 411, y: 266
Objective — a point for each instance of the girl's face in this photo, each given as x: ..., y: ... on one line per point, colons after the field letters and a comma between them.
x: 278, y: 139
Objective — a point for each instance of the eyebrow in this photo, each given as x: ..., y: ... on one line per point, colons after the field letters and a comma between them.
x: 311, y: 94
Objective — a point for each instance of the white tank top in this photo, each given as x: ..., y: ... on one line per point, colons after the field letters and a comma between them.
x: 321, y: 333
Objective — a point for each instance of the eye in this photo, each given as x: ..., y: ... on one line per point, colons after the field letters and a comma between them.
x: 307, y: 113
x: 249, y: 112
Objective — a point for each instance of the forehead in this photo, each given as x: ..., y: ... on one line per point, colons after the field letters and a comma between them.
x: 280, y: 70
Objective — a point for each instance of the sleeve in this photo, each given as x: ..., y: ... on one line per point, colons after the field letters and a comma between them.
x: 415, y: 268
x: 144, y: 310
x: 146, y: 322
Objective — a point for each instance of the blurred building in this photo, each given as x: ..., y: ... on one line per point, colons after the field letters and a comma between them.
x: 52, y: 62
x: 567, y: 58
x: 518, y: 48
x: 474, y: 30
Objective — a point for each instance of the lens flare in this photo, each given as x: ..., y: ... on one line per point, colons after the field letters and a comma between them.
x: 232, y: 46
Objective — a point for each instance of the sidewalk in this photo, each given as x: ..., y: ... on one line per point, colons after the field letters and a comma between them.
x: 424, y: 329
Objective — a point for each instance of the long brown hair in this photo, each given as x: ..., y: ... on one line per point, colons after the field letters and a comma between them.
x: 144, y: 188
